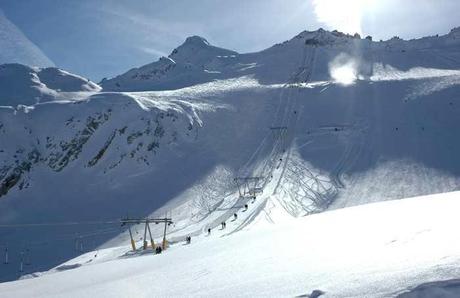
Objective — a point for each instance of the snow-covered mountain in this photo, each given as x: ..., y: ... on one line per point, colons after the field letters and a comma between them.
x: 17, y: 48
x: 306, y: 57
x: 187, y: 65
x: 325, y: 120
x: 24, y: 85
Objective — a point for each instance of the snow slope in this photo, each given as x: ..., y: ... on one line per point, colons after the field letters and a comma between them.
x: 365, y: 122
x: 17, y: 48
x: 375, y: 250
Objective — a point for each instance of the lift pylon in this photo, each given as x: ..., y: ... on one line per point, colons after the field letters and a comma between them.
x: 167, y: 221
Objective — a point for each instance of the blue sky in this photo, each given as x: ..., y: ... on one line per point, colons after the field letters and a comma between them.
x: 99, y: 38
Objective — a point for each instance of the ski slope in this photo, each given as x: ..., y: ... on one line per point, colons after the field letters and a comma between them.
x: 366, y: 122
x: 374, y: 250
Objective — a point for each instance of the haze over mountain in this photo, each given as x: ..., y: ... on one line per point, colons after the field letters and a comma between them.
x: 325, y: 120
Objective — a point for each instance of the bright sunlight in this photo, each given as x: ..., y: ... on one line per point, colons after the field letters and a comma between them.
x: 344, y: 16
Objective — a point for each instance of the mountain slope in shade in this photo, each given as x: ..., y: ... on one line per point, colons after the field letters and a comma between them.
x: 17, y: 48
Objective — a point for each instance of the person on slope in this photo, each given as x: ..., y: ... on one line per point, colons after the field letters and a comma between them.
x: 209, y: 231
x: 245, y: 207
x: 235, y: 216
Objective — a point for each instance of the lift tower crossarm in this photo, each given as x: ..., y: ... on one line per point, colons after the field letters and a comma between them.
x: 166, y: 220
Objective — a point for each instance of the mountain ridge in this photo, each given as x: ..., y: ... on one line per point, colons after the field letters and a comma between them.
x: 180, y: 70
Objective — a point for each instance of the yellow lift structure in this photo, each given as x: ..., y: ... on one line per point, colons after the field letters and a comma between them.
x: 129, y: 221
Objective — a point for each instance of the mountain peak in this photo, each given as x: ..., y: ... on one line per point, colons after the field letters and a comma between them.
x: 196, y: 40
x: 191, y: 43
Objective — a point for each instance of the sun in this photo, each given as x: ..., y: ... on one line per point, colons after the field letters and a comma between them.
x: 342, y: 15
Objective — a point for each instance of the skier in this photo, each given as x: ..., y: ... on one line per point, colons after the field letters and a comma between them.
x: 158, y: 249
x: 235, y: 216
x: 253, y: 199
x: 245, y: 207
x: 209, y: 231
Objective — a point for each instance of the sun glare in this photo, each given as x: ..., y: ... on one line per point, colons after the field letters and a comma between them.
x: 344, y: 69
x: 345, y: 74
x: 342, y: 15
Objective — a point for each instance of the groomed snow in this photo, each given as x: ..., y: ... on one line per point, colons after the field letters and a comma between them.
x: 375, y: 250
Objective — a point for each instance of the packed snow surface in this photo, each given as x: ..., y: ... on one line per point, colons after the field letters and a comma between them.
x: 375, y: 250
